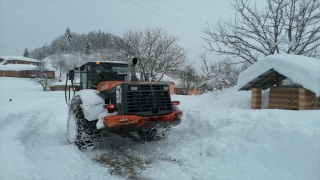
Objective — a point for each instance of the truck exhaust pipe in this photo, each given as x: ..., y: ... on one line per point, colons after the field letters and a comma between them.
x: 133, y: 70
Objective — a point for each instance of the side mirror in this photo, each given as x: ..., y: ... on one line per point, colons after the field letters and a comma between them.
x: 71, y: 75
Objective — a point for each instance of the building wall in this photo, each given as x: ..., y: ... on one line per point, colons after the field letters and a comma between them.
x: 21, y: 62
x: 178, y: 91
x: 194, y: 91
x: 283, y: 98
x: 8, y: 73
x: 308, y: 100
x: 22, y: 74
x: 256, y: 98
x: 171, y: 87
x: 62, y: 88
x: 290, y: 98
x: 191, y: 91
x: 52, y: 74
x: 25, y: 74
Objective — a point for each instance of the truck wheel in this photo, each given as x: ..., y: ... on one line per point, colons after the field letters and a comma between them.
x: 154, y: 134
x: 82, y: 132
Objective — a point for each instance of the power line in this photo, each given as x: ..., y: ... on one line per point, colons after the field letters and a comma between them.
x: 185, y: 12
x: 9, y: 51
x: 10, y: 47
x: 164, y: 16
x: 12, y: 42
x: 169, y: 14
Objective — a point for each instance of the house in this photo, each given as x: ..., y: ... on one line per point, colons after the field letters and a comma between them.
x: 269, y: 71
x: 182, y: 91
x: 171, y: 87
x: 61, y: 86
x: 19, y: 60
x: 22, y: 67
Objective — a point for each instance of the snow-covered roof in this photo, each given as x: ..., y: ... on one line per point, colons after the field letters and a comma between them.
x: 18, y: 58
x: 168, y: 79
x: 21, y: 67
x: 300, y: 69
x: 18, y: 67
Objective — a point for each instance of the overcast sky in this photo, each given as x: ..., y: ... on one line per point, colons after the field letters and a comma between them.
x: 33, y: 23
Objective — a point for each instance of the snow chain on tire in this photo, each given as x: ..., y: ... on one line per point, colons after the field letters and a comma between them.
x: 87, y: 133
x: 153, y: 134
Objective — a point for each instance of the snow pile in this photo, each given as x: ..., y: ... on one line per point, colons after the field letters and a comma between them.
x: 93, y: 104
x: 219, y: 137
x: 300, y: 69
x: 230, y: 98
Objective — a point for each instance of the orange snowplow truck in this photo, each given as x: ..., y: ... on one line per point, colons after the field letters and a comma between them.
x: 107, y: 100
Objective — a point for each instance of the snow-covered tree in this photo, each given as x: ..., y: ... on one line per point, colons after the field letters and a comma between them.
x: 283, y: 26
x: 26, y: 53
x: 41, y: 76
x: 87, y: 46
x: 221, y: 74
x: 99, y: 40
x: 61, y: 62
x: 157, y: 52
x: 187, y: 78
x: 68, y: 36
x: 99, y: 43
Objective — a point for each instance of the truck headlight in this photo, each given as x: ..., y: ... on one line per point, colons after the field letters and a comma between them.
x: 165, y: 88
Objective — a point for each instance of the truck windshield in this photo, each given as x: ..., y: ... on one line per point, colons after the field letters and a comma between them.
x: 107, y: 72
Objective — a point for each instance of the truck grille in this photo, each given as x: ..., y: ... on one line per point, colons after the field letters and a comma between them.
x: 150, y: 99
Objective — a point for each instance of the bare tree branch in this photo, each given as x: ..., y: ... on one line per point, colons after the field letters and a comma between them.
x: 284, y: 26
x: 157, y: 52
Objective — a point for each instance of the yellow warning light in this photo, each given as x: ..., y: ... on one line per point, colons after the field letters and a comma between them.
x: 97, y: 62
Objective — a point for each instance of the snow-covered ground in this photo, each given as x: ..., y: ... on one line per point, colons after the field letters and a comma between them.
x: 220, y: 137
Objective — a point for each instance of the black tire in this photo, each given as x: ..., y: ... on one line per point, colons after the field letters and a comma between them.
x: 82, y: 132
x: 154, y: 134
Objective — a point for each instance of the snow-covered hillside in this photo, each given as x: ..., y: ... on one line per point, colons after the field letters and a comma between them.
x: 220, y: 137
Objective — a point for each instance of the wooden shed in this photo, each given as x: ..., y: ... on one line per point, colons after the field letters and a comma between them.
x: 269, y: 72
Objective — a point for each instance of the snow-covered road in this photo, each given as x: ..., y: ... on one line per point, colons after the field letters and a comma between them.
x: 213, y: 141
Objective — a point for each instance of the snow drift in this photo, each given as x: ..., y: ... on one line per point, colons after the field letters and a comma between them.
x: 220, y: 137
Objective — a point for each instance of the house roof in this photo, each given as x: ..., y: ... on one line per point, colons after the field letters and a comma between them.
x: 267, y: 71
x: 18, y: 58
x: 17, y: 67
x: 265, y: 80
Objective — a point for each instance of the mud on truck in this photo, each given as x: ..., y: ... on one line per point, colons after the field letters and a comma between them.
x: 105, y: 100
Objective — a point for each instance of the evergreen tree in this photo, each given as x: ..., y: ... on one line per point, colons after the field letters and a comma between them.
x: 26, y: 53
x: 67, y: 35
x: 87, y: 46
x: 99, y: 42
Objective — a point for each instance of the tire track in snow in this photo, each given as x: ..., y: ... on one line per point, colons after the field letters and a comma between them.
x: 46, y: 146
x: 12, y: 150
x: 125, y: 157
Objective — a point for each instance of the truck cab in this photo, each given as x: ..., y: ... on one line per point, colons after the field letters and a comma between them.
x: 92, y: 73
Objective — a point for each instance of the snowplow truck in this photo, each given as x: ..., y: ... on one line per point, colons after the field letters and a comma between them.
x: 104, y: 99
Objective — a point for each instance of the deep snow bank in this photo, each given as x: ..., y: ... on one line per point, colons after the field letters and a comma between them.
x: 220, y: 137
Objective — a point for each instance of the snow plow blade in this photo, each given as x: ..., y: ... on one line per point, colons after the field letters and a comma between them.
x: 119, y: 123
